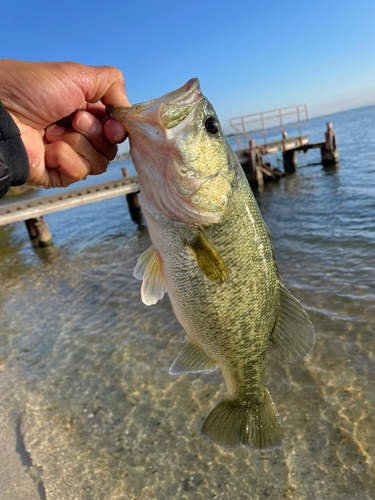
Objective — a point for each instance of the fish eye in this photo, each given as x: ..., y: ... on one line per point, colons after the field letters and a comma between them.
x: 212, y: 125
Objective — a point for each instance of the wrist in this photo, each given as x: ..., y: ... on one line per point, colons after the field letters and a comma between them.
x: 12, y: 149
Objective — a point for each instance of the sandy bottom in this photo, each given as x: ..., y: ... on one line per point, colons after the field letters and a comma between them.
x: 89, y: 410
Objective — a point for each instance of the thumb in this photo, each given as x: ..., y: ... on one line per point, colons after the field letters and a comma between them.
x: 105, y: 84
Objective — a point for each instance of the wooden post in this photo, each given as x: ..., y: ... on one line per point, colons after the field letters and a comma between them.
x: 39, y: 232
x: 285, y: 136
x: 31, y: 229
x: 133, y: 201
x: 43, y: 234
x: 255, y: 161
x: 290, y: 161
x: 328, y: 151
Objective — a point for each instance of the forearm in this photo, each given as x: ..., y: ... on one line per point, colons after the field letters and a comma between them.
x: 14, y: 163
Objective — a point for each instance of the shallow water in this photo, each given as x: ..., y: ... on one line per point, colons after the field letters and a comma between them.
x: 89, y: 410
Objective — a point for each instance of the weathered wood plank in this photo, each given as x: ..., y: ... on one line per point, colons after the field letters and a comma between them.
x: 35, y: 207
x: 276, y: 146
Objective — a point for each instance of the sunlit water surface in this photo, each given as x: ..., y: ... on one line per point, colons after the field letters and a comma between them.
x: 89, y: 410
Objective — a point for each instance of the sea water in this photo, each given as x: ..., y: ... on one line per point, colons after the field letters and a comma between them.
x: 88, y: 408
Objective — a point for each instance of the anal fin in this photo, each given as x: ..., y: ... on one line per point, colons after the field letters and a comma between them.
x: 293, y: 334
x: 191, y: 359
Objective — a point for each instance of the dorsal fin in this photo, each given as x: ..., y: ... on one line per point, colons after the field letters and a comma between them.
x: 293, y: 334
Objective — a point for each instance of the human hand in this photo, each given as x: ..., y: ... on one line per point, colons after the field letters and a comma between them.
x: 38, y: 95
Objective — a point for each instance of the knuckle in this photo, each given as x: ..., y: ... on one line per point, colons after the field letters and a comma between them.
x: 112, y: 154
x: 102, y: 163
x: 76, y: 176
x: 84, y: 168
x: 65, y: 183
x: 62, y: 149
x: 116, y: 73
x: 80, y: 168
x: 83, y: 177
x: 77, y: 141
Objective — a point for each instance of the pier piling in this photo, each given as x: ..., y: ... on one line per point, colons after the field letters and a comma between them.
x: 39, y: 232
x: 255, y: 163
x: 290, y: 161
x: 328, y: 150
x: 31, y: 229
x: 133, y: 201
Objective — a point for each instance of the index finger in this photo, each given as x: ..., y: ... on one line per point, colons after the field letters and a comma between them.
x: 96, y: 109
x: 92, y: 128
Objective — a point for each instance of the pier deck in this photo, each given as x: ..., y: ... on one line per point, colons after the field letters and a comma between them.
x: 283, y: 145
x: 39, y: 206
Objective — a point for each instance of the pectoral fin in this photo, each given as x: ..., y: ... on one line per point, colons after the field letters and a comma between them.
x: 191, y: 359
x: 149, y: 269
x: 208, y: 259
x: 293, y: 334
x: 142, y: 263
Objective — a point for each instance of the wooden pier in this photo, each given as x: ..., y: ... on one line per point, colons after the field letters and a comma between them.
x: 250, y: 153
x: 32, y: 210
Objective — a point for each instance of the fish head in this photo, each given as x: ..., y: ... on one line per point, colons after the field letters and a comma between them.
x: 181, y: 155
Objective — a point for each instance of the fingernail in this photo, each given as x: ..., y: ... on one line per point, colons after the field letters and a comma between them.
x: 86, y: 123
x: 55, y: 130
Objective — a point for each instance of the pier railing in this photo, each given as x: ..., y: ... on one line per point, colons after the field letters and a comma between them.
x: 247, y: 127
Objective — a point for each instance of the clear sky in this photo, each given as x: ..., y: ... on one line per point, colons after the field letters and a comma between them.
x: 249, y: 55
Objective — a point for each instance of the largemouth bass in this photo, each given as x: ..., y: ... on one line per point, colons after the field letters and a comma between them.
x: 211, y: 251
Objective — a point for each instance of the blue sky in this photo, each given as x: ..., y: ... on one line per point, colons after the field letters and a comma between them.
x: 250, y: 56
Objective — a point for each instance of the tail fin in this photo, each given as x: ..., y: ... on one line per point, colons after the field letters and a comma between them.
x: 232, y: 423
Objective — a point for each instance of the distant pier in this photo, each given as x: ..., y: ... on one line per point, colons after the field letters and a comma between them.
x: 266, y: 123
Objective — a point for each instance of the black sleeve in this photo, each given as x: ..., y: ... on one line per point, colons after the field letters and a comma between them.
x: 14, y: 163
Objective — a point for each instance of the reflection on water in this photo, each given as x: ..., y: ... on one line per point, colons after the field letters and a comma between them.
x: 89, y: 409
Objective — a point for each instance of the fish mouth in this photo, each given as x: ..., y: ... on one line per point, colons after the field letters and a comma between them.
x: 169, y: 110
x: 186, y: 94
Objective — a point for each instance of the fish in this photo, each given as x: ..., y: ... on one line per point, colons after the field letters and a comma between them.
x: 212, y: 253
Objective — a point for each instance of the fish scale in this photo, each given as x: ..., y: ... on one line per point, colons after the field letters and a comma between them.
x: 230, y: 321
